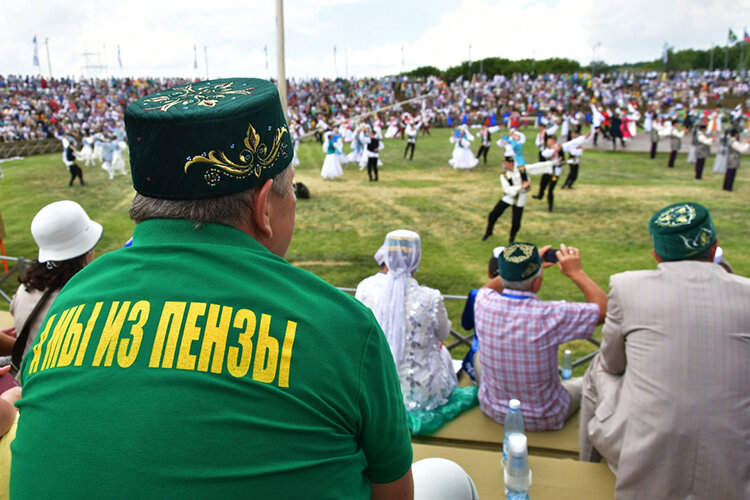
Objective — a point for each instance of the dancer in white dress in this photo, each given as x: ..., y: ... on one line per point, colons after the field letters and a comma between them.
x: 377, y: 127
x: 294, y: 132
x: 86, y: 154
x: 118, y: 158
x: 392, y: 130
x: 358, y: 153
x: 414, y: 321
x: 462, y: 157
x: 331, y: 165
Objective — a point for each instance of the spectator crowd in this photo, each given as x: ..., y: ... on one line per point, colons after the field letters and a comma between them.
x: 35, y: 107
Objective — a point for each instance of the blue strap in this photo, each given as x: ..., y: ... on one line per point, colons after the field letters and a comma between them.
x: 510, y: 296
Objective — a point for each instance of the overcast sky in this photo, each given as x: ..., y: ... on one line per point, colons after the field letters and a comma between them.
x: 372, y: 37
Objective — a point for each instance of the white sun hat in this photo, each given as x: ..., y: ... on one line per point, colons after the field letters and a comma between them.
x: 62, y: 230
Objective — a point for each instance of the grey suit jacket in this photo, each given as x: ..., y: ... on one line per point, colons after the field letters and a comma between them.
x: 673, y: 417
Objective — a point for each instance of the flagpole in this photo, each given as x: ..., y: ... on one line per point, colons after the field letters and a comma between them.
x: 195, y: 61
x: 205, y: 57
x: 742, y: 48
x: 281, y: 69
x: 726, y: 49
x: 726, y: 56
x: 49, y: 63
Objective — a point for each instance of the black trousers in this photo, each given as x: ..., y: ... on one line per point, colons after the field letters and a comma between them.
x: 729, y: 179
x: 409, y: 145
x: 572, y: 176
x: 614, y: 142
x: 672, y: 157
x: 495, y: 214
x: 551, y: 181
x: 372, y: 168
x: 483, y: 151
x: 699, y: 164
x: 75, y: 171
x: 653, y: 150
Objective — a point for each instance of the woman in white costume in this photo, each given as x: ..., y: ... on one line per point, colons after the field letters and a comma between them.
x: 358, y: 147
x: 720, y: 160
x: 294, y: 132
x: 392, y: 130
x: 462, y: 157
x: 331, y: 165
x: 414, y: 321
x: 377, y: 127
x: 86, y: 155
x: 118, y: 157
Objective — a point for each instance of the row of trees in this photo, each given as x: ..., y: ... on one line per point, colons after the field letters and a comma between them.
x: 500, y: 66
x: 737, y: 57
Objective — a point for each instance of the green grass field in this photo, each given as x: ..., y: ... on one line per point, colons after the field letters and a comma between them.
x: 345, y: 221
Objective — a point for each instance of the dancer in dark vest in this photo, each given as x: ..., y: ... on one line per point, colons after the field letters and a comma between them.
x: 675, y: 140
x: 702, y: 150
x: 373, y: 146
x: 552, y: 152
x: 515, y: 183
x: 69, y: 160
x: 654, y: 139
x: 486, y: 139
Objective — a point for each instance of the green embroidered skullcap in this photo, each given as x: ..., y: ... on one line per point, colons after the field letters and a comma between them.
x: 207, y: 139
x: 682, y: 231
x: 519, y: 261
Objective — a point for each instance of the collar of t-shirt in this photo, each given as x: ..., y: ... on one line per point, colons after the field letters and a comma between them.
x: 517, y: 295
x: 182, y: 232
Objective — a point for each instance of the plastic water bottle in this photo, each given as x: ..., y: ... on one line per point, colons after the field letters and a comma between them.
x: 517, y: 472
x: 567, y: 365
x: 513, y: 424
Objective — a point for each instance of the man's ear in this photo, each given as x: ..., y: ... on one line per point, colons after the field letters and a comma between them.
x: 262, y: 213
x: 536, y: 284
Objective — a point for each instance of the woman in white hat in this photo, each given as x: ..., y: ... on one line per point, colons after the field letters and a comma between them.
x: 66, y: 238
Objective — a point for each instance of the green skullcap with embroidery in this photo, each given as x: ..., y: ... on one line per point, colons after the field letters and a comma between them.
x: 519, y: 261
x: 682, y: 231
x: 207, y: 139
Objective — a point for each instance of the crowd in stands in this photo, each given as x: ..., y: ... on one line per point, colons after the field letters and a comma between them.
x: 35, y: 107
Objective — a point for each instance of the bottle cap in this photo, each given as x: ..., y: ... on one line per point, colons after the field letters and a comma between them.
x: 514, y: 404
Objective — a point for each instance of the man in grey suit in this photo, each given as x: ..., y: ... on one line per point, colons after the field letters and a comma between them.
x: 666, y: 402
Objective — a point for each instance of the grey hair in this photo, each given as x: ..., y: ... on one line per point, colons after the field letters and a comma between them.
x: 231, y: 209
x: 523, y: 285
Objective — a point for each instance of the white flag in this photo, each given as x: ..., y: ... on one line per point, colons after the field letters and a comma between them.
x: 666, y: 53
x: 35, y: 60
x: 119, y: 58
x: 195, y: 56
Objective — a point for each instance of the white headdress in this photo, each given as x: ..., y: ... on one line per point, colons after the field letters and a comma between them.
x: 402, y: 256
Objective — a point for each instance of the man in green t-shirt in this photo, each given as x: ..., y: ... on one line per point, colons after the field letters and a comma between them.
x: 198, y: 363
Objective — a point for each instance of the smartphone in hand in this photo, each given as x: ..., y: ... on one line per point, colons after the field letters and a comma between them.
x: 550, y: 255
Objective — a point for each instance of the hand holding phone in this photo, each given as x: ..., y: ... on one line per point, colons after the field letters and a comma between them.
x: 550, y: 255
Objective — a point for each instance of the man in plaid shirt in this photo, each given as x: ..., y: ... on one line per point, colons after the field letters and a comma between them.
x: 519, y: 336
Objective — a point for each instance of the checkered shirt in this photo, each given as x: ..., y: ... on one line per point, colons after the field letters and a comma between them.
x: 519, y: 336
